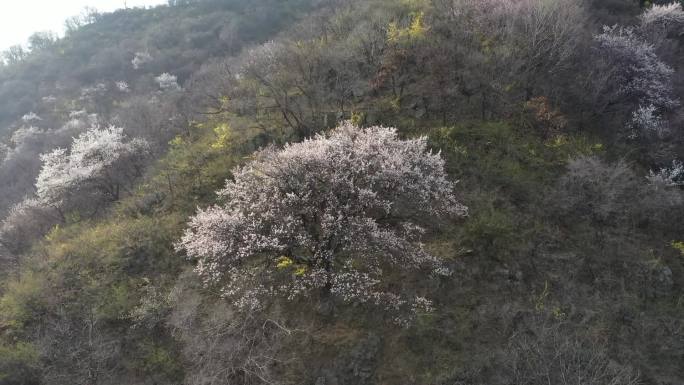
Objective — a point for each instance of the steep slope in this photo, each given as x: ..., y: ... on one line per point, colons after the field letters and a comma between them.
x: 564, y: 142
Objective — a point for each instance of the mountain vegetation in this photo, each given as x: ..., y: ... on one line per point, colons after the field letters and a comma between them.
x: 330, y: 192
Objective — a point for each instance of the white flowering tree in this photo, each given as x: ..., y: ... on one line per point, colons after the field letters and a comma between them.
x: 639, y: 74
x: 140, y: 59
x: 658, y: 20
x: 645, y: 119
x: 636, y: 76
x: 333, y: 214
x: 122, y: 86
x: 31, y: 117
x: 663, y: 14
x: 167, y: 82
x: 668, y: 176
x: 100, y: 163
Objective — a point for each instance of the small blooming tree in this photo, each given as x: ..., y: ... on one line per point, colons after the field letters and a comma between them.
x: 167, y: 82
x: 333, y: 214
x: 638, y: 72
x: 122, y: 86
x: 140, y: 59
x: 100, y: 163
x: 637, y: 77
x: 668, y: 176
x: 647, y: 120
x: 31, y: 117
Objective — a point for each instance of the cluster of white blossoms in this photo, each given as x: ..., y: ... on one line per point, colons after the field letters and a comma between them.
x: 668, y: 176
x: 50, y: 99
x: 663, y: 16
x: 167, y: 82
x: 31, y: 117
x: 332, y: 214
x: 646, y: 119
x: 93, y: 155
x: 140, y: 59
x: 80, y: 120
x: 638, y: 71
x: 122, y: 86
x: 263, y: 59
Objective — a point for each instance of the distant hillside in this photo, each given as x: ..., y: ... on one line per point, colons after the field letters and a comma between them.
x: 80, y: 72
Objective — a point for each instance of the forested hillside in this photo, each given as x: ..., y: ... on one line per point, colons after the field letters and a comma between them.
x: 329, y: 192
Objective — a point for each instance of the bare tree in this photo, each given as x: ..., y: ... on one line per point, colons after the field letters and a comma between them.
x: 224, y: 346
x: 76, y: 349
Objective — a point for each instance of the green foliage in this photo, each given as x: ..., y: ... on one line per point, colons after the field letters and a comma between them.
x: 498, y: 155
x: 23, y: 299
x: 414, y: 32
x: 159, y: 360
x: 223, y: 136
x: 493, y: 231
x: 197, y: 164
x: 19, y: 364
x: 679, y: 246
x: 98, y: 267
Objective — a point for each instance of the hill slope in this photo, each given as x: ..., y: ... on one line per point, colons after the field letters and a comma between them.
x: 565, y: 139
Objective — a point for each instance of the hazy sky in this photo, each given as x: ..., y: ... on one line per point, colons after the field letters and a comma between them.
x: 20, y: 18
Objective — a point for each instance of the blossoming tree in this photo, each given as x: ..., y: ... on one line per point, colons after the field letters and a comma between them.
x: 167, y: 82
x: 100, y: 163
x: 659, y: 19
x: 333, y: 214
x: 638, y: 77
x: 638, y: 71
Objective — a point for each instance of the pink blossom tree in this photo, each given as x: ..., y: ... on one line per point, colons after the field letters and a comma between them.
x: 333, y: 214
